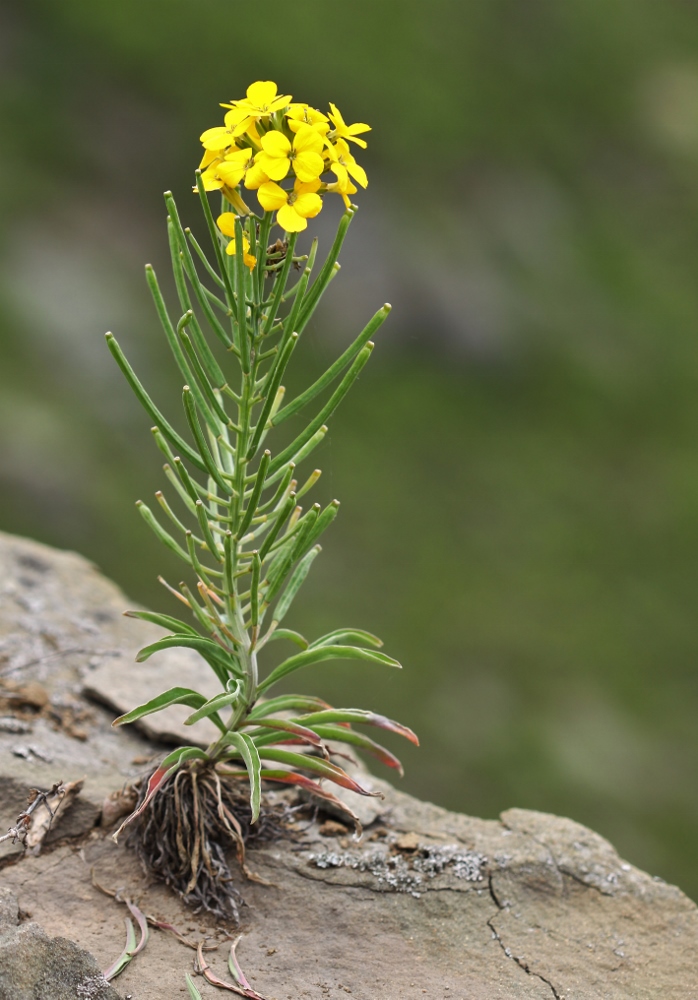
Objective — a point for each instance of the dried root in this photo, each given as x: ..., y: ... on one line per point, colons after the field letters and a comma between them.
x: 185, y: 833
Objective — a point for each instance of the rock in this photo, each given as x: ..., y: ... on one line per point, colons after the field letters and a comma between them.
x: 36, y: 967
x: 429, y: 903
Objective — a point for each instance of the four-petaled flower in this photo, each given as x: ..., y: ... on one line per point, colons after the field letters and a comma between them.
x: 344, y: 131
x: 223, y: 136
x: 302, y: 114
x: 293, y: 208
x: 304, y: 154
x: 262, y: 101
x: 226, y: 224
x: 342, y: 163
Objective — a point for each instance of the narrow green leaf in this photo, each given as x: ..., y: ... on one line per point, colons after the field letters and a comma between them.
x: 343, y: 635
x: 269, y: 729
x: 248, y: 751
x: 295, y: 583
x: 240, y: 283
x: 191, y: 272
x: 287, y: 633
x: 204, y: 451
x: 288, y: 703
x: 213, y: 233
x: 206, y: 529
x: 254, y: 590
x: 327, y: 410
x: 255, y: 495
x: 175, y: 696
x: 201, y: 376
x: 166, y: 621
x: 343, y: 735
x: 334, y: 370
x: 325, y: 653
x: 214, y: 705
x: 327, y: 270
x: 164, y: 536
x: 360, y: 716
x: 276, y: 374
x: 193, y: 992
x: 146, y: 402
x: 281, y: 518
x: 325, y: 768
x: 223, y: 663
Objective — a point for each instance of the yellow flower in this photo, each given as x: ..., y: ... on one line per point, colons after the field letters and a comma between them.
x: 224, y: 171
x: 226, y: 224
x: 255, y: 177
x: 261, y: 101
x: 345, y: 188
x: 302, y: 114
x: 344, y: 131
x: 223, y: 136
x: 342, y: 163
x: 293, y: 208
x: 278, y: 154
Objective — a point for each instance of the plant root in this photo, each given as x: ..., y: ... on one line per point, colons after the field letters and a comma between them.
x: 183, y: 835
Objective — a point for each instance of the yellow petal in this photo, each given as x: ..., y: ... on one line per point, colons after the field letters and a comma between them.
x: 290, y: 220
x: 230, y: 249
x: 234, y: 117
x: 302, y: 187
x: 255, y: 177
x: 307, y: 139
x: 216, y: 138
x: 250, y: 261
x: 276, y: 167
x: 271, y: 196
x: 357, y: 172
x: 230, y: 173
x: 308, y: 205
x: 261, y: 93
x: 226, y: 224
x: 211, y: 180
x: 275, y: 143
x: 308, y: 166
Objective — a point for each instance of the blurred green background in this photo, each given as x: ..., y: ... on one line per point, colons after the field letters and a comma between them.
x: 518, y: 465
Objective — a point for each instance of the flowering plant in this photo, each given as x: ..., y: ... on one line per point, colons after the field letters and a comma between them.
x: 249, y: 543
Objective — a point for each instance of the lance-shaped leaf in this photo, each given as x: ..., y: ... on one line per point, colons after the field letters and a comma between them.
x: 192, y: 274
x: 343, y: 635
x: 142, y: 922
x: 327, y: 270
x: 263, y: 735
x: 235, y: 970
x: 279, y: 286
x: 211, y: 651
x: 193, y: 992
x: 358, y: 715
x: 126, y: 955
x: 325, y: 768
x: 204, y: 450
x: 328, y: 409
x: 165, y: 428
x: 325, y: 653
x: 248, y: 751
x: 288, y: 703
x: 175, y: 696
x: 287, y: 633
x: 342, y: 735
x: 335, y: 369
x: 158, y: 778
x: 292, y: 778
x: 164, y: 536
x: 213, y: 706
x: 215, y: 239
x: 166, y: 621
x: 295, y: 583
x: 216, y: 980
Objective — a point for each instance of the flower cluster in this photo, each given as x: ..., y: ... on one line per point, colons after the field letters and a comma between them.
x: 282, y: 150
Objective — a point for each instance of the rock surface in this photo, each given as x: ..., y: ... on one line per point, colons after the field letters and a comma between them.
x: 36, y: 967
x: 430, y: 903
